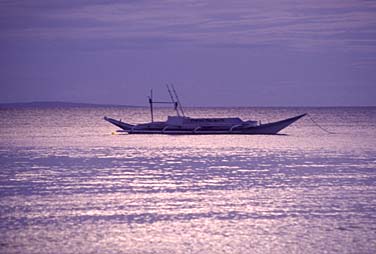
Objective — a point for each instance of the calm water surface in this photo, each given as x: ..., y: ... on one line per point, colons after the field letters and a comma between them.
x: 68, y: 184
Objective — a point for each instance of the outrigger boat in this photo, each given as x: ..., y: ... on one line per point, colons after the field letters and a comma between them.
x: 181, y: 124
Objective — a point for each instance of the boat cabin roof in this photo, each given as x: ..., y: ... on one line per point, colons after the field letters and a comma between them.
x: 178, y: 120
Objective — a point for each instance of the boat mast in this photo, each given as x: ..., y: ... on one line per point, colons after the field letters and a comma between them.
x: 151, y: 102
x: 151, y: 105
x: 172, y: 100
x: 177, y: 99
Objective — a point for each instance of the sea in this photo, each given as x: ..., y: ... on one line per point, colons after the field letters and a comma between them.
x: 70, y: 183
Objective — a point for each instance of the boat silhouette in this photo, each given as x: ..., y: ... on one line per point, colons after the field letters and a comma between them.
x: 181, y: 124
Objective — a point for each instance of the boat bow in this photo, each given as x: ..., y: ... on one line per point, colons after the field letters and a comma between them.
x: 119, y: 123
x: 274, y: 127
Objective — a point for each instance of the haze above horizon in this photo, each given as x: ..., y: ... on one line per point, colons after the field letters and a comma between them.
x: 238, y: 53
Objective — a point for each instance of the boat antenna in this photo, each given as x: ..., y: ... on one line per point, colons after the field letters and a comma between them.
x: 172, y: 100
x: 177, y: 99
x: 151, y: 105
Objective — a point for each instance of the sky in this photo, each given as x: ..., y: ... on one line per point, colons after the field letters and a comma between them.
x: 216, y: 53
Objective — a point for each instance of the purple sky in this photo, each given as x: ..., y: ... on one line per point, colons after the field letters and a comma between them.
x: 217, y: 53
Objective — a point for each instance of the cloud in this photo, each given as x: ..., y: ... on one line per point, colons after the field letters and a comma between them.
x: 301, y: 25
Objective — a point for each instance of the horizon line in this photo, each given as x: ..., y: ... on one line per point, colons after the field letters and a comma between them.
x: 69, y: 103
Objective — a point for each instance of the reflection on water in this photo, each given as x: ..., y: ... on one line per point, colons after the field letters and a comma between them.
x: 69, y: 186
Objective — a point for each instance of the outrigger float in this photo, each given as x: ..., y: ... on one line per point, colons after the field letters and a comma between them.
x: 181, y: 124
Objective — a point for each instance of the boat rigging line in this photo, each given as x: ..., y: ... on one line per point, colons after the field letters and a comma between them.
x: 177, y: 100
x: 318, y: 125
x: 173, y: 100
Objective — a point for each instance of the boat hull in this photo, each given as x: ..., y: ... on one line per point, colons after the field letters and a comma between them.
x: 265, y: 129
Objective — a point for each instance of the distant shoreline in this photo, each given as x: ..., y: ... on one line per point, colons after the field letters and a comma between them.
x: 45, y: 104
x: 42, y: 104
